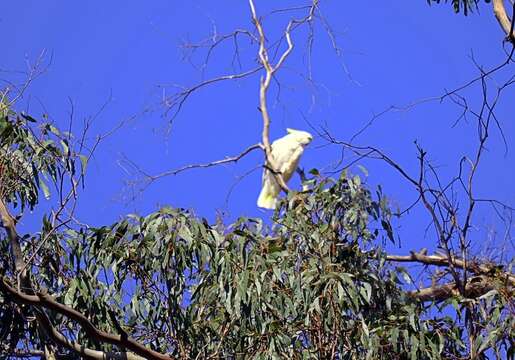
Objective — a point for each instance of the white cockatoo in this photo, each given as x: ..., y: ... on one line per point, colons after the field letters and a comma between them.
x: 286, y: 152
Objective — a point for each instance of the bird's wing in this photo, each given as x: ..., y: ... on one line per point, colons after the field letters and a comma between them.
x: 289, y: 166
x: 280, y: 153
x: 283, y: 149
x: 287, y: 152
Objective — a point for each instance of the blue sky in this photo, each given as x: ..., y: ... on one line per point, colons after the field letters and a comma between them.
x: 391, y: 53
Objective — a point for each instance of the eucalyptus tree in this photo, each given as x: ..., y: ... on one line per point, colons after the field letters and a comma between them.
x: 314, y: 282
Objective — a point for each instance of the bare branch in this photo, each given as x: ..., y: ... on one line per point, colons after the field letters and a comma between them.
x: 230, y: 159
x: 452, y: 94
x: 266, y: 79
x: 34, y: 70
x: 177, y: 100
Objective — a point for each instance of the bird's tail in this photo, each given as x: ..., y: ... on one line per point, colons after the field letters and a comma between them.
x: 266, y: 199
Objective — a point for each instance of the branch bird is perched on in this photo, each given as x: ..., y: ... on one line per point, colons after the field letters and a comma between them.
x: 286, y: 152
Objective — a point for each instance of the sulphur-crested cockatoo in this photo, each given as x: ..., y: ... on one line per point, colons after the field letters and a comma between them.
x: 286, y: 152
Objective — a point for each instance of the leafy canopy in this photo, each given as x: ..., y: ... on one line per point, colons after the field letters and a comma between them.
x: 313, y: 284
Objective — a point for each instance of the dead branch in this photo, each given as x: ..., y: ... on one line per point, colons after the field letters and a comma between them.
x: 213, y: 41
x: 439, y: 98
x: 177, y: 100
x: 34, y: 71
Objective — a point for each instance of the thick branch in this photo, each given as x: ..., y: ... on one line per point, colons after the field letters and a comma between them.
x: 43, y: 300
x: 504, y: 20
x: 474, y: 288
x: 83, y: 351
x: 9, y: 224
x: 439, y: 260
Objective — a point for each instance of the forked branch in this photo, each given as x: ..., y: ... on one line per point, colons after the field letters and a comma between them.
x: 265, y: 80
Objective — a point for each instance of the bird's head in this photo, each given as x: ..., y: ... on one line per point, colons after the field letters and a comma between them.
x: 302, y: 137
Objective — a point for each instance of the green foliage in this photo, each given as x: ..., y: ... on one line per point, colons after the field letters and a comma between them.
x: 33, y: 159
x: 312, y: 284
x: 460, y: 5
x: 30, y: 163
